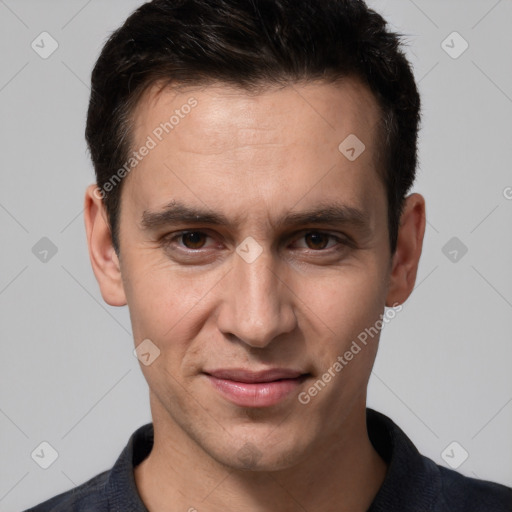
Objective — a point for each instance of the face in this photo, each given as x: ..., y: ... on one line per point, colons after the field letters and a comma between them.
x: 253, y: 253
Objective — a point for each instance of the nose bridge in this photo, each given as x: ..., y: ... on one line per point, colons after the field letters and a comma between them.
x: 255, y: 308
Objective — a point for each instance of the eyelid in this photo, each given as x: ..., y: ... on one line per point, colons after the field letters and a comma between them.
x: 170, y: 238
x: 341, y: 239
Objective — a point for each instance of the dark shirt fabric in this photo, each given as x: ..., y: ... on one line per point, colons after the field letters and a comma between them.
x: 413, y: 483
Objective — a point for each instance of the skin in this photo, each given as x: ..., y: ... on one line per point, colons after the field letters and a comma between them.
x: 300, y: 304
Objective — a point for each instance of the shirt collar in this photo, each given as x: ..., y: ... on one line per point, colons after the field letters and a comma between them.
x: 412, y: 481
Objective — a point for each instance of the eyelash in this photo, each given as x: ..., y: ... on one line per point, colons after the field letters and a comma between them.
x: 168, y: 240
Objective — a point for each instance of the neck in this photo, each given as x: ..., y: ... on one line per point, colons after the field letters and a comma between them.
x: 342, y: 474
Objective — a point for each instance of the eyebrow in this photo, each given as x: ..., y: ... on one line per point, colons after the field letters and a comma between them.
x: 333, y: 214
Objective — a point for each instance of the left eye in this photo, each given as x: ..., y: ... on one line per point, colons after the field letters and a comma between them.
x: 316, y: 240
x: 193, y: 239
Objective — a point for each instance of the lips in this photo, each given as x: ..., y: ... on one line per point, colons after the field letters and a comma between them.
x: 240, y: 375
x: 255, y: 389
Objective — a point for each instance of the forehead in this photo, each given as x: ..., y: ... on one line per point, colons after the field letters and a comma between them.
x: 319, y: 106
x: 259, y: 149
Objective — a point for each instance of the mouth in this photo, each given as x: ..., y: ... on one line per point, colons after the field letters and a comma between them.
x: 256, y: 389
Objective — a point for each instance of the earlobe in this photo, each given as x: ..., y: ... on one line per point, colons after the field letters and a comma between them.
x: 408, y: 250
x: 104, y: 260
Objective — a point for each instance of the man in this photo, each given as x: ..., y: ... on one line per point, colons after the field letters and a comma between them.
x: 253, y: 161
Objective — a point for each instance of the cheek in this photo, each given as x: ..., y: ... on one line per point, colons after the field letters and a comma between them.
x: 338, y: 310
x: 162, y: 304
x: 352, y: 305
x: 346, y: 301
x: 365, y: 299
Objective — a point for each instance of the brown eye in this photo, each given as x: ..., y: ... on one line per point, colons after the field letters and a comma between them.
x: 317, y: 241
x: 193, y: 239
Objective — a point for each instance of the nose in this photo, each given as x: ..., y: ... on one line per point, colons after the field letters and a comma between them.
x: 257, y: 305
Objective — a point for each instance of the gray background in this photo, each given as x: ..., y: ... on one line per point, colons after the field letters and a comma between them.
x: 68, y: 375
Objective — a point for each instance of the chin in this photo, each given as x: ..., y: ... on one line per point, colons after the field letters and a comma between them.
x: 265, y: 453
x: 250, y: 458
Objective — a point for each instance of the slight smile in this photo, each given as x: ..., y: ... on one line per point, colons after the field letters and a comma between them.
x: 256, y: 389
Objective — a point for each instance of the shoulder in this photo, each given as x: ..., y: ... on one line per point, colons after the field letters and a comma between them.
x: 416, y: 483
x: 87, y: 497
x: 462, y: 493
x: 114, y: 489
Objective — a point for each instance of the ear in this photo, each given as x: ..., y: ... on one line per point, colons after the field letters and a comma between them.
x: 406, y: 258
x: 104, y: 260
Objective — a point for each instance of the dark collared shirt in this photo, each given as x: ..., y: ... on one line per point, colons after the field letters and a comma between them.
x: 413, y: 482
